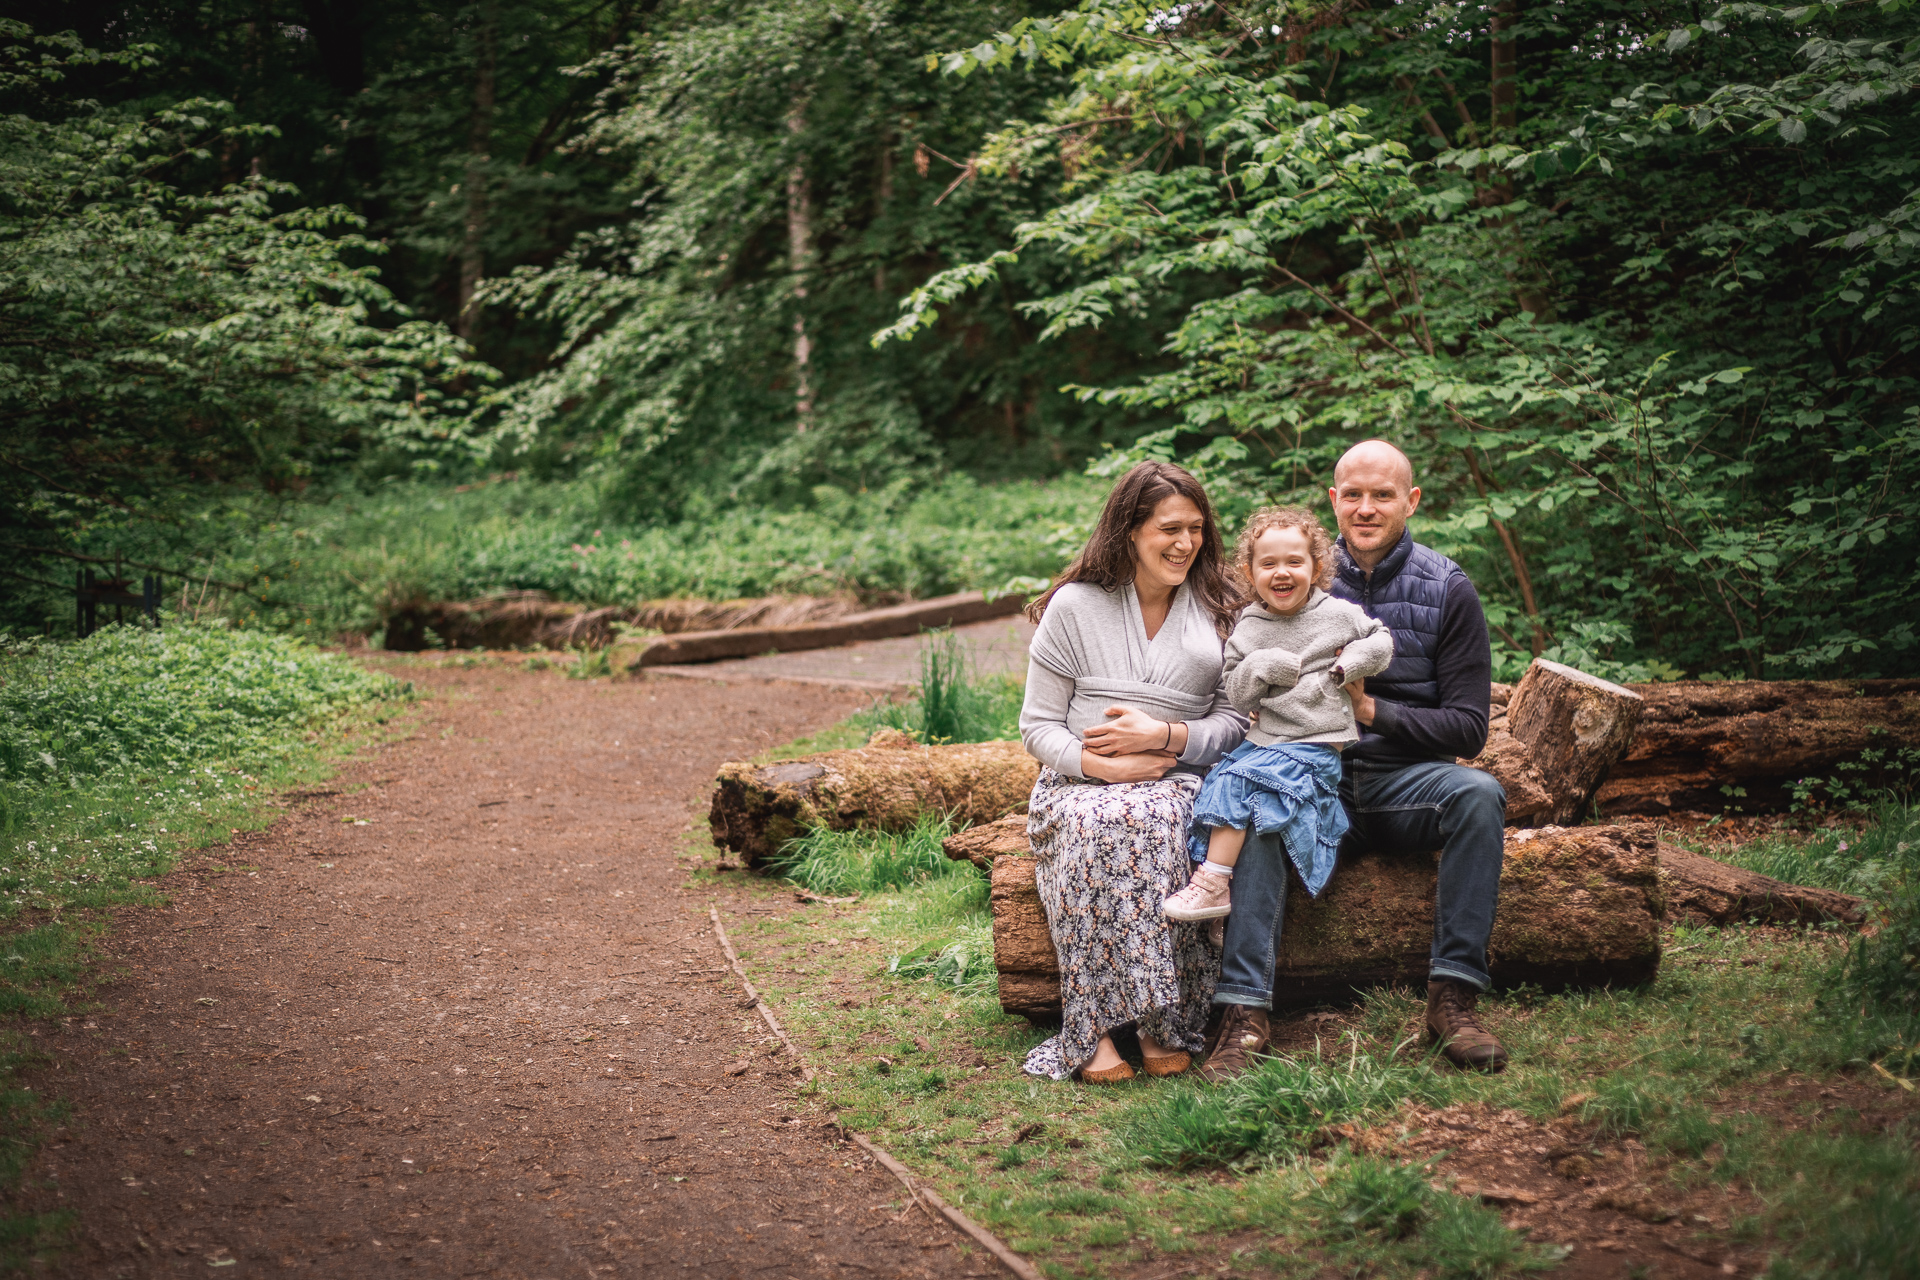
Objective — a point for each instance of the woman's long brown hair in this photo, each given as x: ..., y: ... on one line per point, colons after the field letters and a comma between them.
x: 1107, y: 559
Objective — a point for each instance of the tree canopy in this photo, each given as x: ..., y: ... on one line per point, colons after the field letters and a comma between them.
x: 1634, y: 285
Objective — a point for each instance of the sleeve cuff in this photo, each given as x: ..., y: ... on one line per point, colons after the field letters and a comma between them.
x: 1386, y: 718
x: 1067, y: 763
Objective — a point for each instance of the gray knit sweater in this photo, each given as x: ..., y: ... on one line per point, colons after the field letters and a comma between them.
x: 1279, y: 669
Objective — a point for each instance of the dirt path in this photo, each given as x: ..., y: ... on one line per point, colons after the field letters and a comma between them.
x: 469, y: 1021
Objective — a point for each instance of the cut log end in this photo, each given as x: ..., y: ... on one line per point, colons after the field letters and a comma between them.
x: 1573, y: 726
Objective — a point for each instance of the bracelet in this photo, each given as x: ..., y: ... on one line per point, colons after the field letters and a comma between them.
x: 1168, y: 745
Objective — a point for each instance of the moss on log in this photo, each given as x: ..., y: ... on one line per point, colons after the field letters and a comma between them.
x: 885, y: 785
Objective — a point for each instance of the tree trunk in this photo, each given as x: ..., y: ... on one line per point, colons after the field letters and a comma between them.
x: 885, y: 785
x: 1574, y: 726
x: 1579, y: 906
x: 473, y: 260
x: 799, y: 261
x: 1504, y: 88
x: 1741, y: 745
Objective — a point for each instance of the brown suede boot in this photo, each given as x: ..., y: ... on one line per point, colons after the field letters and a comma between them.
x: 1243, y: 1033
x: 1451, y: 1025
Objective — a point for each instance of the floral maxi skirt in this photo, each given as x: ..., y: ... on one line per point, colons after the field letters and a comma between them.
x: 1108, y: 857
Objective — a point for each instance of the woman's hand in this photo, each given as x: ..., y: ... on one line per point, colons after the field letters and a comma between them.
x: 1129, y: 732
x: 1139, y: 766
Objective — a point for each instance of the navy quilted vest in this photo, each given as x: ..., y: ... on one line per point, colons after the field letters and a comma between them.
x: 1406, y: 592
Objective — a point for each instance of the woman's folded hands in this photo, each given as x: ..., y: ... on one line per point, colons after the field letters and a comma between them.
x: 1131, y: 746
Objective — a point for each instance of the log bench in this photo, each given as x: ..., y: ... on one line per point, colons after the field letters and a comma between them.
x: 1579, y: 907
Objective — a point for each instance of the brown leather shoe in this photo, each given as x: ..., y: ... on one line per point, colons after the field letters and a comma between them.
x: 1451, y: 1024
x: 1243, y: 1033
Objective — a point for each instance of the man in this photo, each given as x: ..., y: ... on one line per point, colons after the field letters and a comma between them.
x: 1401, y: 785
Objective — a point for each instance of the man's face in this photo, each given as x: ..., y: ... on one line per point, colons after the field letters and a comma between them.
x: 1371, y: 501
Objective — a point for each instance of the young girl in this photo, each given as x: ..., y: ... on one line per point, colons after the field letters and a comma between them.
x: 1288, y: 662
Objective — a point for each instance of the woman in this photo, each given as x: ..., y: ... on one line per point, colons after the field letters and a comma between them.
x: 1124, y: 687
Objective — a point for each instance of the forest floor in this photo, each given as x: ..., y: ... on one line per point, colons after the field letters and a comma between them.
x: 460, y: 1013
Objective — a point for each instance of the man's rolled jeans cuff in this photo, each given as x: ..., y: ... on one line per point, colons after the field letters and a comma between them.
x: 1478, y: 981
x: 1251, y: 999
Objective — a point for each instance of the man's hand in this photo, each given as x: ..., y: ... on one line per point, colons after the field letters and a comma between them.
x: 1362, y: 702
x: 1142, y: 766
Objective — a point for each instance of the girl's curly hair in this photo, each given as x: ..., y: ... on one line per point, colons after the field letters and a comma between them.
x: 1266, y: 519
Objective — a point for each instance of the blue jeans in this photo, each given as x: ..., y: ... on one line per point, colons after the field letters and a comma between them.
x: 1409, y: 809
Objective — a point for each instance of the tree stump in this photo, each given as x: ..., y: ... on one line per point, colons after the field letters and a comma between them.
x: 1573, y: 726
x: 886, y: 785
x: 1743, y: 744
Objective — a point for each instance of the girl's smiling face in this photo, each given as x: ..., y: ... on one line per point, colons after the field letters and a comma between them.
x: 1282, y: 570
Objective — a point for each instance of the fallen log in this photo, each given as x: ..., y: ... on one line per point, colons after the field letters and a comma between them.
x: 1711, y: 892
x: 1579, y: 906
x: 1741, y: 745
x: 533, y: 619
x: 885, y: 785
x: 875, y: 624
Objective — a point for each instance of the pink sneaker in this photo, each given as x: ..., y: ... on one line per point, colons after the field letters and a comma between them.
x: 1204, y: 898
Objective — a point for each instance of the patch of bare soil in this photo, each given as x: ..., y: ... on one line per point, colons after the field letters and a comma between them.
x: 468, y: 1020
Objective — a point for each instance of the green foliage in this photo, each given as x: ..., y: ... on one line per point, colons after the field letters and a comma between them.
x: 1269, y: 1112
x: 348, y: 564
x: 1363, y: 1195
x: 1605, y: 322
x: 965, y: 964
x: 158, y: 339
x: 1866, y: 861
x: 788, y: 169
x: 1882, y: 970
x: 136, y: 699
x: 952, y: 704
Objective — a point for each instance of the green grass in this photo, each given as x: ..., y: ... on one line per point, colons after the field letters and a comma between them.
x: 1153, y: 1175
x: 117, y: 755
x: 838, y: 863
x: 1269, y: 1113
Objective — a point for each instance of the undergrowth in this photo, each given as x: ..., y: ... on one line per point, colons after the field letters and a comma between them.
x: 353, y: 558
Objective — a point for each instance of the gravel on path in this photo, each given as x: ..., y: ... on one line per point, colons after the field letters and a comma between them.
x: 462, y: 1014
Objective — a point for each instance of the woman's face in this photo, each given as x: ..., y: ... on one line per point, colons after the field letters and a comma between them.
x: 1164, y: 547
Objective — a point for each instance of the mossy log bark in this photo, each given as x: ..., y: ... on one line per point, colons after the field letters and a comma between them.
x: 1741, y: 744
x: 886, y: 785
x: 1579, y: 906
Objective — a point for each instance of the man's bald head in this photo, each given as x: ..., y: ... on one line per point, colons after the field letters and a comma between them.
x: 1373, y: 494
x: 1371, y: 455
